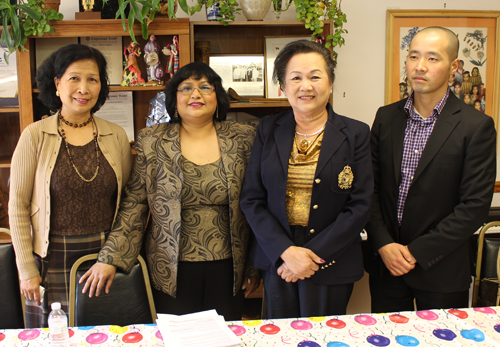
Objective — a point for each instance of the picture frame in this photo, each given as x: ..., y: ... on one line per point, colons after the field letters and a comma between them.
x: 243, y: 73
x: 479, y: 37
x: 272, y: 46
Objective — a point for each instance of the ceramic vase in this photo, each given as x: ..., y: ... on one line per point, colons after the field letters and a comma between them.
x: 255, y: 9
x: 213, y: 11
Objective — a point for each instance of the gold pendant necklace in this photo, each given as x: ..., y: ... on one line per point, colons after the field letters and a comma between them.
x: 304, y: 144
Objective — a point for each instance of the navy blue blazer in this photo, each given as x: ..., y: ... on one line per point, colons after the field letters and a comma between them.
x: 449, y: 197
x: 341, y: 214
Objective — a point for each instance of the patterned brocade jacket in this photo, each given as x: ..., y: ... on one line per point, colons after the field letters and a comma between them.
x: 155, y: 189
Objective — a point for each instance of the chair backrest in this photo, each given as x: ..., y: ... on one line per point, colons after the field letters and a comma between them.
x: 486, y: 262
x: 490, y: 256
x: 130, y: 300
x: 10, y: 296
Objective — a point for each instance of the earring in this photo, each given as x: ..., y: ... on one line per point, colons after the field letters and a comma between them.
x: 57, y: 93
x: 176, y: 114
x: 217, y: 113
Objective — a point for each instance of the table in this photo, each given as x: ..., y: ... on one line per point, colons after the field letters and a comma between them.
x: 462, y: 327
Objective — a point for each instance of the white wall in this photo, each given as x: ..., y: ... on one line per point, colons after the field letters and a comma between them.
x: 359, y: 86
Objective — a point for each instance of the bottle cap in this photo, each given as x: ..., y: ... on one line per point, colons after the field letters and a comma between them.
x: 55, y: 306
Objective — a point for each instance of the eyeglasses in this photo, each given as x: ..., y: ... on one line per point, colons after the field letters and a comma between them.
x: 205, y: 90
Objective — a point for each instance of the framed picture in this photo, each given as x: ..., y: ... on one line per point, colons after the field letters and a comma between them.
x: 272, y: 46
x: 478, y: 32
x: 243, y: 73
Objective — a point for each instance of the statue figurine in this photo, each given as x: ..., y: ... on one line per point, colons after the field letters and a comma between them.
x: 173, y: 60
x: 155, y: 71
x: 132, y: 72
x: 88, y: 5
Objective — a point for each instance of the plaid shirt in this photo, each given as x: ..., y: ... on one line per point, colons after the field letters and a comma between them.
x: 418, y: 130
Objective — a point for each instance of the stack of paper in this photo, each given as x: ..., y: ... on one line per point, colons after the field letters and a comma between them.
x: 206, y: 329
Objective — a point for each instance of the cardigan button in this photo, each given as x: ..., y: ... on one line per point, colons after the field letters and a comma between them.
x: 317, y: 180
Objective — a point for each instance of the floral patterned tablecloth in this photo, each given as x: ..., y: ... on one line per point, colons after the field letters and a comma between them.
x: 457, y: 327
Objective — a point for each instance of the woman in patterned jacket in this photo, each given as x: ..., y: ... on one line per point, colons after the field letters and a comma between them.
x: 187, y: 176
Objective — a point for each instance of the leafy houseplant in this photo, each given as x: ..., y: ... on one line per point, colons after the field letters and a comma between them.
x: 144, y: 15
x: 29, y: 17
x: 311, y: 11
x: 228, y: 8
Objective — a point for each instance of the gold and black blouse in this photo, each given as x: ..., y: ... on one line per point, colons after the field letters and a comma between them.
x: 205, y: 234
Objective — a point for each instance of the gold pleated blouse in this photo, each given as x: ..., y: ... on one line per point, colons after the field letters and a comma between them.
x: 301, y: 170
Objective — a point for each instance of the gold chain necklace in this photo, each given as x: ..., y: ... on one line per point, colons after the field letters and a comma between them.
x: 63, y: 135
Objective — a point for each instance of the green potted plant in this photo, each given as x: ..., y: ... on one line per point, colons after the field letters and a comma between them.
x: 311, y: 12
x: 144, y: 11
x: 144, y: 14
x: 227, y: 8
x: 29, y: 17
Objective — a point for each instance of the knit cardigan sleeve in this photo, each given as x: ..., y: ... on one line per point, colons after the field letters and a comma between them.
x: 22, y: 180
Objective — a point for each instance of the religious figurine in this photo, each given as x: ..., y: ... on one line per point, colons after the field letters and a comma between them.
x: 155, y: 71
x: 132, y: 72
x: 88, y: 5
x: 173, y: 61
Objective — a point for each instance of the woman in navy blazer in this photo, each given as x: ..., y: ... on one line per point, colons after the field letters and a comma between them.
x: 307, y: 191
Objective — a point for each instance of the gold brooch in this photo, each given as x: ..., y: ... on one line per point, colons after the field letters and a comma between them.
x: 345, y: 178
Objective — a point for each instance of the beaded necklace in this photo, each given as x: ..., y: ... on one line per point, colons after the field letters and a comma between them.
x: 63, y: 135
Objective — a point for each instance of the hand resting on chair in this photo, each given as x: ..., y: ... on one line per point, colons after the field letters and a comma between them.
x: 98, y: 275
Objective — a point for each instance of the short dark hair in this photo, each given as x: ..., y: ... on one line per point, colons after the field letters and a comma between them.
x: 298, y: 47
x: 466, y: 73
x: 57, y: 64
x: 197, y: 70
x: 457, y: 84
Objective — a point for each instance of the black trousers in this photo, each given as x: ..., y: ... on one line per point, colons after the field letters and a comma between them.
x: 392, y: 294
x: 303, y: 298
x: 201, y: 286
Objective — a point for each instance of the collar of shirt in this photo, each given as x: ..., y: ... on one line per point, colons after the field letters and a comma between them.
x: 414, y: 116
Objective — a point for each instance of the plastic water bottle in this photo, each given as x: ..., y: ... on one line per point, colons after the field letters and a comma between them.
x: 58, y: 326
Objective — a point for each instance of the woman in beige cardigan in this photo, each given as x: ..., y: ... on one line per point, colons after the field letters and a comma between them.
x: 187, y: 176
x: 67, y: 176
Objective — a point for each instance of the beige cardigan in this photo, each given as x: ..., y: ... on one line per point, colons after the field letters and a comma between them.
x: 32, y: 165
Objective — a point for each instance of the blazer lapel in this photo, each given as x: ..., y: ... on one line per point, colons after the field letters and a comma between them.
x: 398, y: 135
x: 284, y: 137
x: 442, y: 130
x: 228, y: 148
x: 332, y: 139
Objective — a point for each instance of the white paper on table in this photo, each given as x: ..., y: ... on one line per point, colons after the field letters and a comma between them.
x: 205, y: 328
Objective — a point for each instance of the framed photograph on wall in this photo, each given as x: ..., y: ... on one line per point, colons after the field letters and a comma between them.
x: 243, y: 73
x: 477, y: 79
x: 272, y: 46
